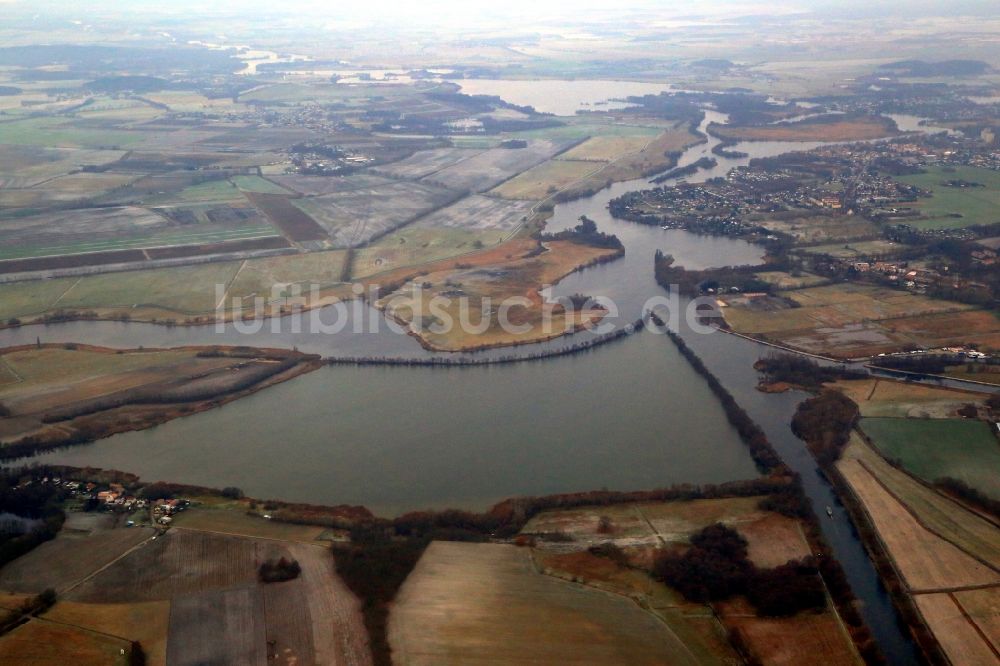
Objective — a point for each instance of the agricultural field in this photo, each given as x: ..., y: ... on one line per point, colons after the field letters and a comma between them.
x: 218, y: 611
x: 78, y: 187
x: 656, y: 156
x: 931, y: 449
x: 821, y: 228
x: 804, y: 638
x: 416, y: 244
x: 354, y: 217
x: 267, y: 275
x: 77, y: 231
x: 30, y: 166
x: 937, y: 544
x: 495, y: 218
x: 145, y: 622
x: 856, y: 250
x: 854, y: 320
x: 237, y: 522
x: 40, y: 641
x: 173, y: 293
x: 545, y: 179
x: 895, y: 399
x: 976, y: 372
x: 489, y: 168
x: 162, y: 569
x: 67, y: 561
x: 427, y: 162
x: 218, y: 626
x: 605, y: 148
x: 321, y: 185
x: 48, y: 131
x: 952, y: 207
x: 826, y: 129
x: 182, y: 290
x: 469, y: 602
x: 785, y: 280
x: 955, y: 625
x: 257, y: 184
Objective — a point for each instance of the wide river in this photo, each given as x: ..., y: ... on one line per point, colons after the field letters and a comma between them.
x: 627, y: 415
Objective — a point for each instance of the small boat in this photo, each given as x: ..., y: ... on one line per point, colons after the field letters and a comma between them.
x: 829, y: 512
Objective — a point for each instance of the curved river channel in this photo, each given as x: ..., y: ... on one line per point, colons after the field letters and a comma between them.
x: 629, y: 414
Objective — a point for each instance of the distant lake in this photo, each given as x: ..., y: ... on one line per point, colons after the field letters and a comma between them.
x: 561, y: 97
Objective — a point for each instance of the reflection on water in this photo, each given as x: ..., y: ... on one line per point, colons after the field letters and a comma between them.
x: 561, y: 97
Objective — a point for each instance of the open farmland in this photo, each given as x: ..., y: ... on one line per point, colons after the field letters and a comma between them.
x: 320, y: 185
x: 295, y: 224
x: 822, y: 228
x: 829, y: 128
x: 960, y: 638
x: 853, y: 320
x: 485, y: 602
x: 803, y: 638
x: 164, y: 290
x: 969, y: 531
x: 175, y: 292
x: 610, y: 148
x: 354, y: 217
x: 935, y: 543
x: 67, y: 133
x: 237, y: 522
x: 418, y: 244
x: 219, y: 612
x: 268, y: 276
x: 477, y: 213
x: 952, y: 207
x: 898, y: 399
x: 28, y: 166
x: 784, y: 280
x: 181, y: 562
x: 144, y: 622
x: 218, y: 626
x: 986, y: 374
x: 79, y: 231
x: 69, y: 559
x: 983, y: 609
x: 42, y: 642
x: 931, y: 449
x: 545, y: 179
x: 865, y: 249
x: 162, y: 287
x: 426, y: 162
x: 489, y: 168
x: 78, y: 187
